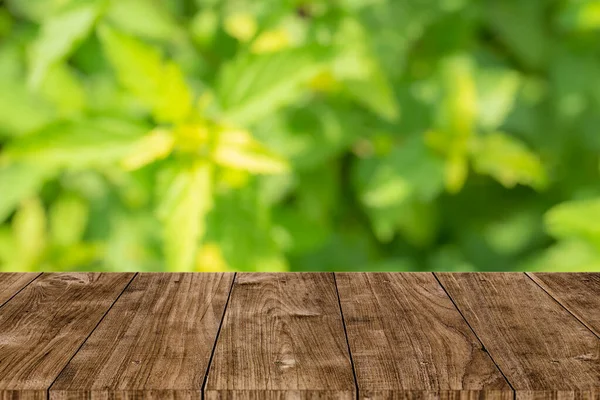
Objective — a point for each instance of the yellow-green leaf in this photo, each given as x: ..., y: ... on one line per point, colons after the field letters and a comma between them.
x: 183, y: 213
x: 252, y: 86
x: 579, y: 219
x: 497, y: 94
x: 156, y: 145
x: 509, y: 161
x: 78, y: 144
x: 63, y: 88
x: 237, y: 149
x: 17, y: 182
x: 147, y: 18
x: 68, y: 217
x: 29, y: 227
x: 59, y: 35
x: 456, y: 172
x: 141, y: 70
x: 459, y: 107
x: 360, y: 72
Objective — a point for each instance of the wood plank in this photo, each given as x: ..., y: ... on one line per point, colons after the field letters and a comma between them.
x: 42, y: 327
x: 282, y: 337
x: 409, y: 341
x: 542, y: 349
x: 155, y: 342
x: 577, y: 292
x: 11, y: 283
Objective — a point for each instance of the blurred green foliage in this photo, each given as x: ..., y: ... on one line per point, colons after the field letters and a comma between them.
x: 195, y: 135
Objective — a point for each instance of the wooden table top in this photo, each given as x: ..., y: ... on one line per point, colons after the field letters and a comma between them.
x: 299, y: 336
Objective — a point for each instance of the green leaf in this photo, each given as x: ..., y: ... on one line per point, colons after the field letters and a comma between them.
x: 63, y: 88
x: 520, y: 25
x: 68, y: 217
x: 566, y: 256
x: 240, y: 224
x: 497, y: 91
x: 308, y: 137
x: 361, y: 73
x: 29, y: 227
x: 141, y: 70
x: 389, y: 187
x: 18, y: 182
x: 183, y: 211
x: 513, y: 232
x: 297, y: 233
x: 79, y: 144
x: 59, y: 36
x: 252, y: 86
x: 459, y: 108
x: 22, y: 111
x: 409, y: 169
x: 583, y: 15
x: 146, y: 18
x: 508, y: 161
x: 578, y: 219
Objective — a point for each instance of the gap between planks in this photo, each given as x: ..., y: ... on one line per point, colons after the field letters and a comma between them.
x: 90, y: 334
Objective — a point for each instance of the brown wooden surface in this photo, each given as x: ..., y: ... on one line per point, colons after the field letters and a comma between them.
x: 540, y: 347
x: 11, y: 283
x: 155, y: 342
x: 578, y: 293
x: 282, y: 337
x: 44, y: 325
x: 407, y: 338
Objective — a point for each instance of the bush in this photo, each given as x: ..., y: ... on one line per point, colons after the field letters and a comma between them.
x: 193, y: 135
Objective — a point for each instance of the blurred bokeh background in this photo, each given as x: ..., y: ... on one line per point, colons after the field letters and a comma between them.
x: 268, y: 135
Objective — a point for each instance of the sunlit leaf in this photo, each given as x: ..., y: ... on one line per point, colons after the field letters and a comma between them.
x: 29, y: 227
x: 154, y: 146
x: 509, y: 161
x: 361, y: 74
x: 581, y: 15
x: 497, y: 94
x: 183, y: 212
x: 68, y: 219
x: 22, y: 111
x: 59, y: 35
x: 566, y: 256
x: 459, y: 104
x: 251, y: 86
x: 18, y: 182
x: 63, y: 88
x: 147, y: 18
x: 140, y: 69
x: 270, y: 41
x: 239, y: 150
x: 78, y: 144
x: 456, y: 172
x: 210, y: 259
x: 578, y: 219
x: 241, y: 26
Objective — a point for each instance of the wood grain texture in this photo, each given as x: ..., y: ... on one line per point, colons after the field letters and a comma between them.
x: 282, y: 338
x: 408, y: 341
x: 11, y: 283
x: 542, y: 349
x: 155, y: 342
x: 43, y: 326
x: 577, y: 292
